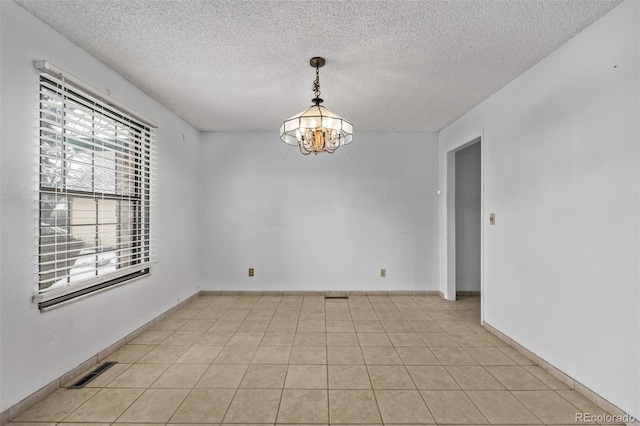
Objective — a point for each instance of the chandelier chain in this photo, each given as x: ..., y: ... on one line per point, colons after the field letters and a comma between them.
x: 316, y: 83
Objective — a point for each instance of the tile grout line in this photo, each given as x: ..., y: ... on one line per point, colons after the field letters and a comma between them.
x: 326, y: 350
x: 461, y: 389
x: 243, y: 376
x: 420, y: 393
x: 286, y: 374
x: 212, y: 363
x: 150, y: 386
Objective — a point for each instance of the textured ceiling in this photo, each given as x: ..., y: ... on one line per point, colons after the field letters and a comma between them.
x: 391, y: 65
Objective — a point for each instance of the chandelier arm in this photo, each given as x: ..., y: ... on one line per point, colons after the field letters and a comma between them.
x: 303, y: 151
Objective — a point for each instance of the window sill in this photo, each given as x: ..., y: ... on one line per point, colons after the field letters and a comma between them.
x: 47, y: 302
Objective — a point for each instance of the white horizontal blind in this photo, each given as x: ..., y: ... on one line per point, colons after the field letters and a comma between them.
x: 95, y: 179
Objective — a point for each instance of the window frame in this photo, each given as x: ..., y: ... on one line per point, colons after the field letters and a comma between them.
x: 133, y: 160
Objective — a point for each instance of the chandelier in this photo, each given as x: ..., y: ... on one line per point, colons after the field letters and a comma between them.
x: 316, y: 129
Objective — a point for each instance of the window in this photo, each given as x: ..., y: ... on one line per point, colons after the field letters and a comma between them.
x: 95, y: 177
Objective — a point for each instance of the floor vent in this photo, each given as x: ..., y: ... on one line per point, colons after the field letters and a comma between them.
x: 89, y: 377
x: 336, y: 297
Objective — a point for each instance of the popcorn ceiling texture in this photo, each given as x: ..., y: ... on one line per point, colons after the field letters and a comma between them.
x: 391, y: 65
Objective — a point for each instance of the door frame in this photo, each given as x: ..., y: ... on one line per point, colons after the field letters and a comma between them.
x: 448, y: 214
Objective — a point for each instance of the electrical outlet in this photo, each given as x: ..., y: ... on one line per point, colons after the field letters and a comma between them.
x: 250, y: 272
x: 383, y: 272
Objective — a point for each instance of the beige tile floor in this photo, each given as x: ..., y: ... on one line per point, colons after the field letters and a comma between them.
x: 308, y: 360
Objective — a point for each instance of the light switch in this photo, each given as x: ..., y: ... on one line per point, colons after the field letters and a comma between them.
x: 492, y: 218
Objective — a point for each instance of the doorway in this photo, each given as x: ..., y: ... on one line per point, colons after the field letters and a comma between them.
x: 464, y: 182
x: 468, y: 220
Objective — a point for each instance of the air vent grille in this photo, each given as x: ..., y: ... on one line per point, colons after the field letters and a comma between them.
x: 92, y: 375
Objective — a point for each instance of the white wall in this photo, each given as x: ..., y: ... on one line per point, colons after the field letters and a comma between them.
x: 36, y: 348
x: 325, y: 222
x: 467, y: 215
x: 561, y: 158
